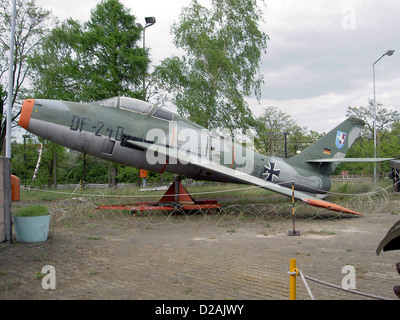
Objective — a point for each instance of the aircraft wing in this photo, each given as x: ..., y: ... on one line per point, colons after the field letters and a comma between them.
x: 183, y: 157
x: 330, y: 160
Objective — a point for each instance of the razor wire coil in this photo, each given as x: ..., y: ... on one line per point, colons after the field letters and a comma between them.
x: 367, y: 202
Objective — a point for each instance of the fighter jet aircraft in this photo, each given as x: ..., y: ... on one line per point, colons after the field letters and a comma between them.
x: 136, y: 133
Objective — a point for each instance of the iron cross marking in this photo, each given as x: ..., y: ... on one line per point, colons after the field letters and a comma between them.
x: 271, y: 172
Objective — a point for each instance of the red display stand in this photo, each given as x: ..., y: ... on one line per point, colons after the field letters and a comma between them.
x: 176, y: 198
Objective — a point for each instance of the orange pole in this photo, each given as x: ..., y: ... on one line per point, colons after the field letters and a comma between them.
x: 15, y: 188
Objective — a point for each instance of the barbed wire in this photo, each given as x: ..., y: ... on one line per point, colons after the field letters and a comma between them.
x: 83, y: 210
x: 84, y: 206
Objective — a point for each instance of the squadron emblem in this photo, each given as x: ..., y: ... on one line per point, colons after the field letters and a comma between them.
x: 340, y: 139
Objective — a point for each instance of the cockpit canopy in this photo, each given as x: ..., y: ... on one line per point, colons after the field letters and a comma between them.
x: 135, y: 105
x: 129, y: 104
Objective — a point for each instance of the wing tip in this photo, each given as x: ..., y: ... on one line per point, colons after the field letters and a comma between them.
x: 329, y: 206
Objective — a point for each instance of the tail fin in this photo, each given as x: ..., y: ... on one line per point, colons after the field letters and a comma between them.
x: 334, y: 144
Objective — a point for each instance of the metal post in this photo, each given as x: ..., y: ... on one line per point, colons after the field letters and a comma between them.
x: 375, y: 173
x: 293, y: 232
x: 388, y: 53
x: 144, y: 75
x: 285, y: 134
x: 7, y: 159
x: 10, y: 84
x: 293, y: 274
x: 177, y: 179
x: 25, y: 136
x: 149, y: 22
x: 293, y: 211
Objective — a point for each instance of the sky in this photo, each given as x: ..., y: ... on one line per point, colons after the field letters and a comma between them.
x: 320, y: 54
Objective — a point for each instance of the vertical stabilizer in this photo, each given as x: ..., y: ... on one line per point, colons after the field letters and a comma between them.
x: 334, y: 145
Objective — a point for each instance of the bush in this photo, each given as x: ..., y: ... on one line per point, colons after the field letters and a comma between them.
x: 32, y: 211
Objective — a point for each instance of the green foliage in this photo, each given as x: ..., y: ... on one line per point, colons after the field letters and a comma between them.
x: 223, y: 46
x: 99, y: 59
x: 385, y: 117
x: 32, y: 211
x: 23, y: 161
x: 70, y: 167
x: 270, y: 138
x: 388, y: 138
x: 112, y: 60
x: 31, y: 24
x: 54, y: 73
x: 95, y: 171
x: 353, y: 187
x: 53, y: 154
x: 128, y: 174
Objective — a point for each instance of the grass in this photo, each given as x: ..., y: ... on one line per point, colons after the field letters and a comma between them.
x: 205, y: 190
x: 93, y: 238
x: 353, y: 187
x: 328, y: 232
x: 32, y: 211
x: 227, y: 194
x: 358, y: 186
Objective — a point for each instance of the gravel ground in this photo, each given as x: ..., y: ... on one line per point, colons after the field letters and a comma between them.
x: 120, y: 256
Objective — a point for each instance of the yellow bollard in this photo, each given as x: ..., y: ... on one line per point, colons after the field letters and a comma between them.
x: 294, y: 272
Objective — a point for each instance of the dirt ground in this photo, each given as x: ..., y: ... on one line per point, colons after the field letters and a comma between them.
x: 120, y: 256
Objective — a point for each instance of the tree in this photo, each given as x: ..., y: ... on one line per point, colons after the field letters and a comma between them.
x: 55, y: 64
x: 93, y: 61
x: 385, y: 118
x: 271, y: 126
x: 23, y: 161
x: 387, y: 121
x: 31, y: 24
x: 53, y: 156
x: 113, y: 62
x: 393, y: 141
x: 223, y: 46
x: 97, y: 60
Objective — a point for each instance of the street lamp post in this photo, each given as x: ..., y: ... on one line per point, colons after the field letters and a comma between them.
x: 285, y: 134
x: 149, y: 22
x: 388, y: 53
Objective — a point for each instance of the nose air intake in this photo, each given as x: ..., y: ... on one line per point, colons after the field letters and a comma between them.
x: 26, y: 113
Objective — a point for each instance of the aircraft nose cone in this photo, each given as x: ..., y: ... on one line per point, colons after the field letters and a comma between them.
x: 26, y: 113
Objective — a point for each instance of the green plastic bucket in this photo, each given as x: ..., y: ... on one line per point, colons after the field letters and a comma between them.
x: 31, y: 229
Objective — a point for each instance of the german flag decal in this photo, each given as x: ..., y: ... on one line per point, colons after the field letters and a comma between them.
x: 327, y: 151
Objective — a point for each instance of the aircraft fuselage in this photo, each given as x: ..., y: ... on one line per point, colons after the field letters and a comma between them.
x: 103, y: 129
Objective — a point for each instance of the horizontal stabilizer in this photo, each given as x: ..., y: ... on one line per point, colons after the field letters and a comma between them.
x: 331, y: 160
